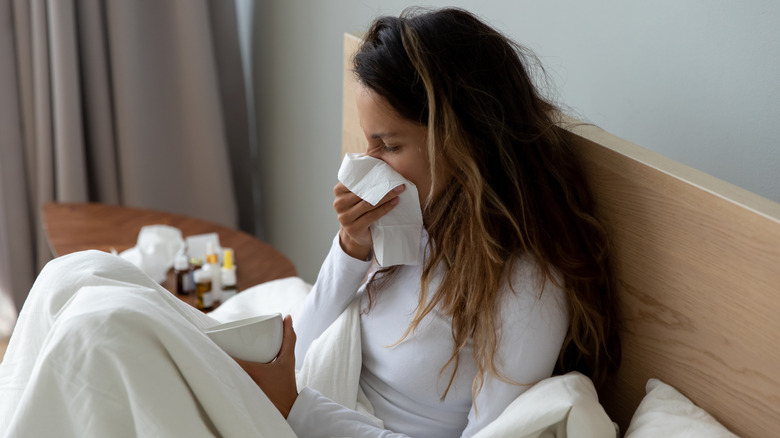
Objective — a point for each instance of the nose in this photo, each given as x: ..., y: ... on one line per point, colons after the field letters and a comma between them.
x: 374, y: 152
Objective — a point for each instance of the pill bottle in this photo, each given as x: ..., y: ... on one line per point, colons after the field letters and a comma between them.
x: 196, y: 263
x: 185, y: 285
x: 229, y: 288
x: 204, y: 298
x: 212, y: 262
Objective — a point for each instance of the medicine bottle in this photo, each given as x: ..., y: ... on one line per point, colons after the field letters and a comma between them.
x: 196, y: 263
x: 212, y: 263
x: 185, y: 285
x: 204, y: 299
x: 228, y: 275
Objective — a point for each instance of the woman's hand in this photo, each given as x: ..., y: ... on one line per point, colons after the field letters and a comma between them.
x: 277, y: 378
x: 356, y: 215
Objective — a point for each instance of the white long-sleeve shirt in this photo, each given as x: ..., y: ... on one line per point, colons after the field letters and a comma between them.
x: 403, y: 382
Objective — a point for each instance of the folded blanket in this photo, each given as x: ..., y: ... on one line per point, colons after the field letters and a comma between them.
x: 100, y: 350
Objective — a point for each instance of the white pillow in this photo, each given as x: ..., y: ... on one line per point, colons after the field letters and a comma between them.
x: 664, y: 412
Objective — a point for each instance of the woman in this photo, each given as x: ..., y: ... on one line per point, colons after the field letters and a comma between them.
x: 516, y: 282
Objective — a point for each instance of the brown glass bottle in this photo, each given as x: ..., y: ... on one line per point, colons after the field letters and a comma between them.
x: 204, y: 300
x: 185, y: 285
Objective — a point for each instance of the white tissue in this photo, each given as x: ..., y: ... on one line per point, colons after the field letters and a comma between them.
x: 155, y: 250
x: 397, y: 234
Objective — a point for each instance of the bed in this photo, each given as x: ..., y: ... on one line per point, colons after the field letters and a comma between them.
x: 698, y: 263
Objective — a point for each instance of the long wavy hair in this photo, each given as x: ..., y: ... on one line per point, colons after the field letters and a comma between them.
x: 513, y: 186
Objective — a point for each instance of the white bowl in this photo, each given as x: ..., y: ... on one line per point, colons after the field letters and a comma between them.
x: 256, y: 339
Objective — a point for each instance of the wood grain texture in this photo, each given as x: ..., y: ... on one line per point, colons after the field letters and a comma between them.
x: 352, y: 138
x: 77, y: 227
x: 699, y: 274
x: 698, y: 271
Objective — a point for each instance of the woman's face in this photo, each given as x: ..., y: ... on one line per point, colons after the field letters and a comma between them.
x: 398, y: 142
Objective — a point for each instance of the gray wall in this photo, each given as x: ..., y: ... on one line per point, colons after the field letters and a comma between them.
x: 696, y: 81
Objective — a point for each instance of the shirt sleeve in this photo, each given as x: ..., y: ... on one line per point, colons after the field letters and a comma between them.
x: 337, y: 284
x: 315, y: 416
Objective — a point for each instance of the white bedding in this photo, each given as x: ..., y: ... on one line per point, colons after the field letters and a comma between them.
x: 100, y: 349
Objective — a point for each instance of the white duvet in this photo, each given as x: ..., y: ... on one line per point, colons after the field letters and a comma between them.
x: 101, y: 350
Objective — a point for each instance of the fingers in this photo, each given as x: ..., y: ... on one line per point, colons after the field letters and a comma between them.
x: 356, y: 215
x: 392, y: 194
x: 351, y: 208
x: 288, y: 340
x: 359, y: 219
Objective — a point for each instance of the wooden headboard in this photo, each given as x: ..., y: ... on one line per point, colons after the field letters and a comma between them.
x: 698, y: 264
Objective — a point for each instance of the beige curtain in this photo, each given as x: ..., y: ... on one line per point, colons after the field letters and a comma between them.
x: 138, y: 103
